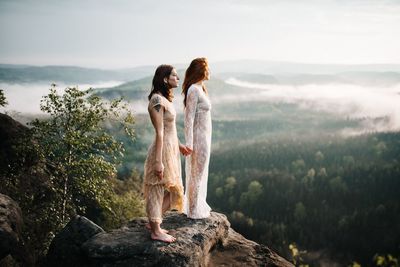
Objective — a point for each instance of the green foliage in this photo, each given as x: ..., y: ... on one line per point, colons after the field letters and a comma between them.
x: 385, y: 260
x: 338, y: 185
x: 230, y: 183
x: 125, y: 205
x: 219, y: 192
x: 300, y: 212
x: 328, y: 202
x: 319, y: 156
x: 3, y: 101
x: 80, y: 154
x: 355, y: 264
x: 67, y: 164
x: 297, y: 255
x: 380, y: 148
x: 252, y: 195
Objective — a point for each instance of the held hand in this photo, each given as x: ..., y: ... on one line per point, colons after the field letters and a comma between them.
x: 159, y: 169
x: 183, y: 149
x: 189, y: 150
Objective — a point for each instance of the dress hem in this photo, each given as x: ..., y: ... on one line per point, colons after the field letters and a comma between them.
x: 174, y: 189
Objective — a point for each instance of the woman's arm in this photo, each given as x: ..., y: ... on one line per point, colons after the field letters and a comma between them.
x: 156, y: 111
x: 190, y: 113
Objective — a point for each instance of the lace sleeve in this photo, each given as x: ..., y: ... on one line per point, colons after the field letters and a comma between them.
x: 190, y: 113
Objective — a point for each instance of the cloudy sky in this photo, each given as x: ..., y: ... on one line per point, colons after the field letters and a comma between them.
x: 125, y: 33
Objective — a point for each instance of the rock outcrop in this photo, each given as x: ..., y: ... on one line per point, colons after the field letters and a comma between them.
x: 207, y: 242
x: 11, y: 133
x: 11, y: 241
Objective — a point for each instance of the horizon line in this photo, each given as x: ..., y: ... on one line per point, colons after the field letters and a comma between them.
x: 212, y: 62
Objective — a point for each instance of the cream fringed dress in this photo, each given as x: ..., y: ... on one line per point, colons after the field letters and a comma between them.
x: 153, y: 187
x: 198, y: 136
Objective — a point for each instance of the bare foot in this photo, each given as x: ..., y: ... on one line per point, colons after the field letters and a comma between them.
x: 163, y: 237
x: 148, y: 227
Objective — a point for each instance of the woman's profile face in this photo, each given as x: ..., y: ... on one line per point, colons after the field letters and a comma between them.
x: 173, y: 79
x: 207, y: 74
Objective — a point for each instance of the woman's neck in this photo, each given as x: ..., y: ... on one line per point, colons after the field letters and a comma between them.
x: 200, y: 83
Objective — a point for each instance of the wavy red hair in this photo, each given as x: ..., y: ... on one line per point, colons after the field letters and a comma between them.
x: 196, y: 72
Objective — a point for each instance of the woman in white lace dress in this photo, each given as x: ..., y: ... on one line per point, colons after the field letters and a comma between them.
x: 198, y: 138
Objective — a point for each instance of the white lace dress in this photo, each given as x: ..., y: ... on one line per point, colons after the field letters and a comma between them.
x: 198, y: 137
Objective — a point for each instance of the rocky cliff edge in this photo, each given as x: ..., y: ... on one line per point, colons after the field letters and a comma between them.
x: 206, y: 242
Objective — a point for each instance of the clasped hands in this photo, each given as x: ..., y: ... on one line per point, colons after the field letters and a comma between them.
x: 185, y: 150
x: 159, y: 167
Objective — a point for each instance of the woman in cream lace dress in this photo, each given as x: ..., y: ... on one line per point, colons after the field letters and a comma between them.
x: 198, y: 139
x: 162, y: 186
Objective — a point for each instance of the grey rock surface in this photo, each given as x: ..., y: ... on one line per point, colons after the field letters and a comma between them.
x: 205, y: 242
x: 239, y: 251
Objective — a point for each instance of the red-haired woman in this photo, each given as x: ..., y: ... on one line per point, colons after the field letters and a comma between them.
x: 162, y: 185
x: 198, y: 138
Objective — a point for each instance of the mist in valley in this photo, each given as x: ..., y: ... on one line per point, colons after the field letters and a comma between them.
x: 24, y: 98
x: 375, y: 107
x: 347, y: 100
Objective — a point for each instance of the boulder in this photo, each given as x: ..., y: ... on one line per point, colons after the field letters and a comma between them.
x: 11, y: 241
x: 65, y: 248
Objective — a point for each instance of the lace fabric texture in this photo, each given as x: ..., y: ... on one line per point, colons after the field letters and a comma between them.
x: 172, y: 179
x: 198, y: 131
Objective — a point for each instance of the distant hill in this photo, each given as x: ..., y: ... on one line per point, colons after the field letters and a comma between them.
x: 139, y: 89
x: 248, y: 70
x: 68, y: 74
x: 130, y: 90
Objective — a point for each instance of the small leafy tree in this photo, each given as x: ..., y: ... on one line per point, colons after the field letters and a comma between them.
x: 3, y: 101
x: 66, y: 164
x: 79, y: 153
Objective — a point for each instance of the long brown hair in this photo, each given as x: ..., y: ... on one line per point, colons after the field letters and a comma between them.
x: 159, y: 85
x: 195, y: 73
